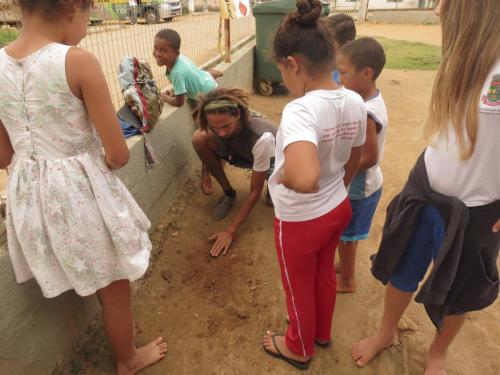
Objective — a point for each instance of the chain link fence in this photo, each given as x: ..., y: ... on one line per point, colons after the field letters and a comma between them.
x: 117, y: 30
x: 401, y: 4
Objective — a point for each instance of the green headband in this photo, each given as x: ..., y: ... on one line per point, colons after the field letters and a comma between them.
x: 219, y: 104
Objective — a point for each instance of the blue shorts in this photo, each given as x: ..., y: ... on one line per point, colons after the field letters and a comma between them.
x: 362, y: 215
x: 421, y: 251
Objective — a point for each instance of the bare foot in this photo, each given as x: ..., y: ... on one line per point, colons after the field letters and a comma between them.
x: 267, y: 343
x: 364, y: 351
x: 436, y: 363
x: 144, y: 357
x: 345, y: 286
x: 206, y: 183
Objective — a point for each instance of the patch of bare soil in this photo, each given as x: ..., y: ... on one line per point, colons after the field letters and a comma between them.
x: 213, y: 312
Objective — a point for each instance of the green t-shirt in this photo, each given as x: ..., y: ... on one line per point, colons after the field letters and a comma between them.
x: 188, y: 79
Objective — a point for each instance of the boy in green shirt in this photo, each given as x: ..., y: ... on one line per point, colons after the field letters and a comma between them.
x: 187, y: 79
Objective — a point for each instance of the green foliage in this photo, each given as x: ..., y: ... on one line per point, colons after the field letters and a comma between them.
x: 7, y: 36
x: 403, y: 55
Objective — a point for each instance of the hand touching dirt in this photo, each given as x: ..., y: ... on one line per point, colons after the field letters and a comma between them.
x: 222, y: 242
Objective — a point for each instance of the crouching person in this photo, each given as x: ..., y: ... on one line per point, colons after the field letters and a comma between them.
x: 229, y: 131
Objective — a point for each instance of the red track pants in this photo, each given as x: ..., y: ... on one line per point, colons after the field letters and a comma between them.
x: 306, y: 252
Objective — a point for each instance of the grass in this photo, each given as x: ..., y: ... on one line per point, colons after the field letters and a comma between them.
x: 7, y: 36
x: 403, y: 55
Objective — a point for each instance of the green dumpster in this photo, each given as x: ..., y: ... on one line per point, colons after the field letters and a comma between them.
x: 268, y: 17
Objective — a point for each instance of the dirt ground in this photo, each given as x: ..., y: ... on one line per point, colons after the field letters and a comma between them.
x: 213, y: 312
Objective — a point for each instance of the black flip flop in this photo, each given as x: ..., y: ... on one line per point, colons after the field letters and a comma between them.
x: 324, y: 345
x: 297, y: 364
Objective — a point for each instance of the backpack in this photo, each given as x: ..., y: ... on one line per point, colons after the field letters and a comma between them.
x: 140, y: 91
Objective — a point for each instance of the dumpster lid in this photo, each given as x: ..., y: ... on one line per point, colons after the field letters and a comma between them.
x: 278, y: 7
x: 275, y: 7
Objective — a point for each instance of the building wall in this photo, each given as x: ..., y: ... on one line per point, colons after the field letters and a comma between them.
x: 385, y: 4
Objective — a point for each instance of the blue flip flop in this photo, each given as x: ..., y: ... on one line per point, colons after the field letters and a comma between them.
x: 297, y: 364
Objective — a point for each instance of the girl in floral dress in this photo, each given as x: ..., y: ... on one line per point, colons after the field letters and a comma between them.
x: 71, y: 223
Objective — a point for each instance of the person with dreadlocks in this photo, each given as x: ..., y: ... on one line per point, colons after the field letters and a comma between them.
x: 229, y: 131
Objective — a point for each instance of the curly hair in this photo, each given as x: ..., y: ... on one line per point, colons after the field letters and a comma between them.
x: 236, y: 99
x: 53, y: 9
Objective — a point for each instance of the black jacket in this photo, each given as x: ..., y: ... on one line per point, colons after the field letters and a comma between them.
x: 464, y: 276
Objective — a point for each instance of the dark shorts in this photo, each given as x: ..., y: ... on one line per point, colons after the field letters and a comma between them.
x: 421, y: 251
x: 223, y: 152
x: 362, y: 215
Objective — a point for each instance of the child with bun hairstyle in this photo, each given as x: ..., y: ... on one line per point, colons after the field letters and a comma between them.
x: 318, y: 148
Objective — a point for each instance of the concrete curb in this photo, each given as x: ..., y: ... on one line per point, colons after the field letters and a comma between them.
x: 38, y: 333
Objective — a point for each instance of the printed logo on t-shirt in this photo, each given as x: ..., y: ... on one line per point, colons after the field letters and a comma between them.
x: 345, y: 131
x: 492, y: 98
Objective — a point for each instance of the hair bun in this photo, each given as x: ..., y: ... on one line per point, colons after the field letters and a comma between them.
x: 308, y: 12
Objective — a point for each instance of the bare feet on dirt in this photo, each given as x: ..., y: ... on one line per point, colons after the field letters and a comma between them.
x: 365, y: 350
x: 436, y: 363
x: 145, y: 356
x: 206, y: 183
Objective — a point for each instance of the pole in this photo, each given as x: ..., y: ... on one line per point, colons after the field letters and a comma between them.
x: 363, y: 10
x: 227, y: 35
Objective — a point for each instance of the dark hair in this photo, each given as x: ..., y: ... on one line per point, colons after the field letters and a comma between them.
x: 172, y: 37
x: 365, y: 53
x: 236, y: 96
x: 342, y: 27
x: 52, y: 9
x: 303, y: 33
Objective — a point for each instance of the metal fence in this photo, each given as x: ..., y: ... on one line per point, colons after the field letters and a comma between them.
x: 112, y: 36
x: 347, y: 7
x: 401, y: 4
x: 112, y: 40
x: 352, y: 7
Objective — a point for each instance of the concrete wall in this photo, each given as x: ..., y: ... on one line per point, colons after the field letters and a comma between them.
x: 409, y: 16
x: 384, y: 4
x: 36, y: 333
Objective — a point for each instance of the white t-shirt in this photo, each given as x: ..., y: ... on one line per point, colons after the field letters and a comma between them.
x: 263, y: 151
x: 369, y: 181
x: 334, y: 121
x: 475, y: 181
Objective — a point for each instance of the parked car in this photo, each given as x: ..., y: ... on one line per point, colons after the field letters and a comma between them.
x: 152, y: 11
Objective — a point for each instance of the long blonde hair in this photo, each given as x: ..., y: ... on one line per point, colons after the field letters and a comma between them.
x: 471, y: 45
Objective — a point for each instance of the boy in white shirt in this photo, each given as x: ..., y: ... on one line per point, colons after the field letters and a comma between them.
x: 360, y: 62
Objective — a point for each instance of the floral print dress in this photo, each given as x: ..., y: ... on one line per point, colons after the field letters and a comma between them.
x: 71, y: 223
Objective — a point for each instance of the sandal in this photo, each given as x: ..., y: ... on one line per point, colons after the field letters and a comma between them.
x: 297, y: 364
x: 321, y: 344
